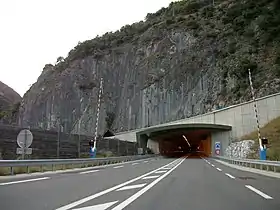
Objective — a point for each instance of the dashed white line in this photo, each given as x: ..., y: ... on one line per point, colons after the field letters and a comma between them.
x: 258, y: 192
x: 134, y: 164
x: 230, y: 176
x: 146, y: 161
x: 160, y: 172
x: 87, y: 172
x: 219, y: 169
x: 129, y: 187
x: 118, y: 167
x: 145, y: 189
x: 213, y: 165
x: 23, y: 181
x: 150, y: 177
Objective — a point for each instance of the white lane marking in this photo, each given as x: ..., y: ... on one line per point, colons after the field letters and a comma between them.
x: 129, y: 187
x: 98, y: 207
x: 160, y: 172
x: 213, y: 165
x: 167, y: 168
x: 140, y: 192
x: 150, y: 177
x: 23, y: 181
x: 258, y: 192
x: 219, y: 169
x: 134, y: 164
x: 118, y: 167
x: 146, y: 161
x: 230, y: 176
x: 87, y: 172
x: 86, y: 199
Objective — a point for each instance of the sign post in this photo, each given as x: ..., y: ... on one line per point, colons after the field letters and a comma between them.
x: 24, y: 141
x: 217, y: 148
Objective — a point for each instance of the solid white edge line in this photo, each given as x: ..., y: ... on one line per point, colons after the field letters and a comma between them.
x: 140, y: 192
x: 130, y: 187
x: 86, y: 199
x: 258, y: 192
x: 219, y: 169
x: 134, y: 164
x: 87, y: 172
x: 230, y: 176
x: 118, y: 167
x: 23, y: 181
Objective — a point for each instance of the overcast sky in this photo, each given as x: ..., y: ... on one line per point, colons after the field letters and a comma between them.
x: 36, y: 32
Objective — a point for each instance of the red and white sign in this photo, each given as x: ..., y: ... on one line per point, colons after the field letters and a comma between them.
x: 217, y: 152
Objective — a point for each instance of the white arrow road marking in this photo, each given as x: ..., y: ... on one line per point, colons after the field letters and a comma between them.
x: 160, y: 172
x: 151, y: 177
x: 23, y: 181
x: 86, y: 199
x: 145, y: 189
x: 87, y: 172
x: 230, y: 176
x: 98, y: 207
x: 258, y: 192
x: 131, y: 187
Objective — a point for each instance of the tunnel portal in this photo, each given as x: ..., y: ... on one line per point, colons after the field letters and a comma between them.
x: 193, y: 140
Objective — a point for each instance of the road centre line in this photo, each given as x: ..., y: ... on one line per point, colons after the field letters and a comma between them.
x: 145, y: 189
x: 87, y: 172
x: 86, y: 199
x: 258, y: 192
x: 23, y: 181
x: 230, y: 176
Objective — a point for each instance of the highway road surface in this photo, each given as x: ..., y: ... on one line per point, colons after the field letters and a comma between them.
x: 154, y: 184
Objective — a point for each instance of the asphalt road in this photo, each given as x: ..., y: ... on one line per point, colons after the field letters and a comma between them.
x: 156, y: 184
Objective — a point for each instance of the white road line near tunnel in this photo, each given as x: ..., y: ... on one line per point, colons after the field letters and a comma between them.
x: 87, y: 172
x: 23, y: 181
x: 150, y: 177
x: 160, y: 172
x: 134, y: 164
x: 219, y: 169
x: 91, y: 197
x: 258, y: 192
x: 129, y: 187
x: 145, y: 189
x: 118, y: 167
x: 230, y: 176
x: 213, y: 165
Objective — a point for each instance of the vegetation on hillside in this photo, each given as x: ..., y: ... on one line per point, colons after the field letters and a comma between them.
x: 272, y: 132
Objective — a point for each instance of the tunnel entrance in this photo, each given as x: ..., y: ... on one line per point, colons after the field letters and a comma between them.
x: 193, y: 143
x: 193, y: 140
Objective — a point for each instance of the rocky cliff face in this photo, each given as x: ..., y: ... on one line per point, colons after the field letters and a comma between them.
x: 187, y: 59
x: 9, y: 104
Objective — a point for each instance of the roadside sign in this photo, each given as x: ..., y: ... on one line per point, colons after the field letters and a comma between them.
x: 24, y: 138
x: 27, y: 151
x: 217, y: 152
x: 217, y: 145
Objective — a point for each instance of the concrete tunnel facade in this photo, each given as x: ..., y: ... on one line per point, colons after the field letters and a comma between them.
x: 168, y: 139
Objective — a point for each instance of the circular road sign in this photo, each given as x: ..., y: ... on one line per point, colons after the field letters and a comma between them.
x: 24, y: 138
x: 217, y: 151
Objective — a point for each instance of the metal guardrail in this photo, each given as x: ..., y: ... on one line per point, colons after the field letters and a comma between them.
x: 81, y: 163
x: 253, y: 163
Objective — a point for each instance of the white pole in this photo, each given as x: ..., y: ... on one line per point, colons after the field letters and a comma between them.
x: 256, y: 109
x: 97, y: 114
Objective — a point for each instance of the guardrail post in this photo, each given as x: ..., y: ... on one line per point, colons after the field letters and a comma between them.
x: 274, y: 168
x: 12, y: 170
x: 261, y: 166
x: 41, y: 168
x: 27, y: 169
x: 53, y: 168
